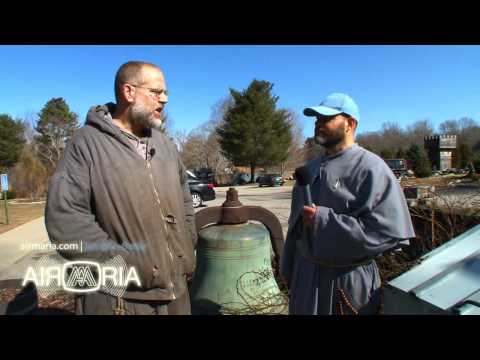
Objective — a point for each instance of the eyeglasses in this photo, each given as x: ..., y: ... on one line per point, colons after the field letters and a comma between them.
x: 155, y: 92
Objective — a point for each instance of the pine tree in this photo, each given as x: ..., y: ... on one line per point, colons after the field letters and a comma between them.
x: 55, y: 126
x: 464, y: 156
x: 12, y: 141
x: 254, y: 133
x: 476, y: 163
x: 420, y: 163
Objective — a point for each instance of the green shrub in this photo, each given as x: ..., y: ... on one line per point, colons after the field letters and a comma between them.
x: 420, y: 162
x: 10, y: 195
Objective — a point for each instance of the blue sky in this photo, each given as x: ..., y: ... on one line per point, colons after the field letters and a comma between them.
x: 389, y: 83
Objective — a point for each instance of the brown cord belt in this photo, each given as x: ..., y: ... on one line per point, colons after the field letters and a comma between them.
x: 343, y: 298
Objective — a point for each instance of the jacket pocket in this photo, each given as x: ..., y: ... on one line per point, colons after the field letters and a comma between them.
x: 153, y: 268
x: 144, y: 269
x: 183, y: 247
x: 162, y: 270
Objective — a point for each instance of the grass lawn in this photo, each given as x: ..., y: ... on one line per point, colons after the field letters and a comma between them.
x: 19, y: 214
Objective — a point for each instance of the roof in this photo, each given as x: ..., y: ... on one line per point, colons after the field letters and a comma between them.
x: 449, y: 276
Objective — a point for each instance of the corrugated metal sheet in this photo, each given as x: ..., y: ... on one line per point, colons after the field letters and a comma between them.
x: 447, y: 279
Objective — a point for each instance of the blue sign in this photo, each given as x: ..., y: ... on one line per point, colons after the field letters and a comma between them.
x: 4, y: 182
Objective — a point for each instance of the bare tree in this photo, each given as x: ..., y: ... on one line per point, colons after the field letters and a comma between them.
x: 417, y: 132
x: 387, y: 140
x: 370, y: 140
x: 311, y: 150
x: 449, y: 127
x: 167, y: 123
x: 221, y: 166
x: 296, y: 150
x: 467, y: 131
x: 219, y: 108
x: 30, y: 119
x: 29, y: 176
x: 200, y: 148
x: 179, y: 138
x: 391, y: 138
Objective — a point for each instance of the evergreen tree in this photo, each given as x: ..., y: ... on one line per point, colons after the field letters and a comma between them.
x: 464, y: 156
x: 420, y: 162
x: 12, y: 141
x: 254, y: 133
x: 55, y: 126
x: 476, y: 163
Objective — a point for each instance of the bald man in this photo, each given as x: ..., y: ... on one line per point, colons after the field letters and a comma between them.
x: 121, y: 190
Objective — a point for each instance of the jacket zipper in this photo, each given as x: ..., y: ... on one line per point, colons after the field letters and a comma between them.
x: 165, y: 226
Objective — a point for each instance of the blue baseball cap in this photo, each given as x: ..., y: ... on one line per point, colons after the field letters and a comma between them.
x: 334, y: 104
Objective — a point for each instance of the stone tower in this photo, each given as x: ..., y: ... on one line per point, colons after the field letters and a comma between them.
x: 440, y: 150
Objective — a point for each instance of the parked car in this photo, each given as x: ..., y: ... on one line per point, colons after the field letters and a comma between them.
x: 398, y: 166
x: 271, y: 180
x: 201, y: 191
x: 205, y: 175
x: 243, y: 178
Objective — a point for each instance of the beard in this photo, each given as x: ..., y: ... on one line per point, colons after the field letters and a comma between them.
x: 330, y: 139
x: 142, y: 117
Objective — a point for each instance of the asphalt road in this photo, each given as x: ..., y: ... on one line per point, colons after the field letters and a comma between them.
x: 276, y: 199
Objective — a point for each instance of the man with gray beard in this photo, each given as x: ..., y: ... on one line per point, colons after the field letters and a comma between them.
x: 359, y: 212
x: 121, y: 190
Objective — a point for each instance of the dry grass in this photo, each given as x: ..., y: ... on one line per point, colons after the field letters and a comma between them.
x: 438, y: 181
x: 19, y: 214
x: 61, y: 303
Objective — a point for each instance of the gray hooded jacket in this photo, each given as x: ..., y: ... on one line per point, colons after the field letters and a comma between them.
x: 106, y: 197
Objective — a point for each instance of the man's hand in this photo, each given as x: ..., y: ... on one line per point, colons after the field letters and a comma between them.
x: 308, y: 215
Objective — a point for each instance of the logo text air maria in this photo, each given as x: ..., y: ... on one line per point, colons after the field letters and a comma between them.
x: 50, y: 275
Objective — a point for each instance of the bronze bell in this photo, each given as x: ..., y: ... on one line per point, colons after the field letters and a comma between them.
x: 235, y: 270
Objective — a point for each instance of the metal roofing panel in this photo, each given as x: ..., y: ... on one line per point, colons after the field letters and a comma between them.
x: 440, y: 260
x: 470, y: 306
x: 448, y: 275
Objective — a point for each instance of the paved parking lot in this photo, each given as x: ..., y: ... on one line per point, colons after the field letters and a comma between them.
x: 275, y: 199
